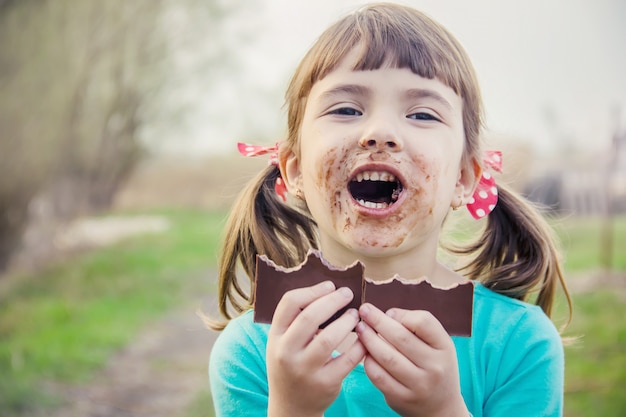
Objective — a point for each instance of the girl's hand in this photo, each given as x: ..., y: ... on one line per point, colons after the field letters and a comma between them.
x: 412, y: 360
x: 304, y: 378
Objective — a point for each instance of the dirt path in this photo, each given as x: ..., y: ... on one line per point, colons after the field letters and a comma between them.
x: 158, y: 374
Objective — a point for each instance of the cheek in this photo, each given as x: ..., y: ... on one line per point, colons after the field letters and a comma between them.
x: 324, y: 169
x: 331, y: 181
x: 423, y: 186
x: 326, y: 189
x: 329, y: 166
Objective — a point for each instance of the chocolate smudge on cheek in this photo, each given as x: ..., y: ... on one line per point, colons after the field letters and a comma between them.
x: 427, y: 185
x: 332, y: 184
x: 348, y: 225
x: 325, y: 172
x: 336, y: 206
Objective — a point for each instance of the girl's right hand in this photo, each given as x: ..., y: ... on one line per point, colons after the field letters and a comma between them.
x: 304, y: 378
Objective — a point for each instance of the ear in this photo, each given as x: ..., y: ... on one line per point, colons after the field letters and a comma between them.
x: 466, y: 184
x: 289, y: 166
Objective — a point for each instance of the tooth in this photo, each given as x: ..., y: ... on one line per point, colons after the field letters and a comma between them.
x: 374, y: 176
x: 373, y: 205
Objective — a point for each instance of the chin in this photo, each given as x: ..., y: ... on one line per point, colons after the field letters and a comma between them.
x: 376, y: 244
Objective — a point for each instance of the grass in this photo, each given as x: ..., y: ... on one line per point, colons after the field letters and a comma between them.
x: 596, y: 363
x: 584, y: 245
x: 62, y: 323
x: 595, y: 371
x: 201, y: 406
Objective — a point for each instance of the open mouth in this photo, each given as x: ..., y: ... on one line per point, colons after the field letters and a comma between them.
x: 375, y: 189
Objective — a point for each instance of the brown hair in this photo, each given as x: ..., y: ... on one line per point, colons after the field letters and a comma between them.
x: 516, y: 254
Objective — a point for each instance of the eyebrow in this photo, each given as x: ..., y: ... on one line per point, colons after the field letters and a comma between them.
x: 420, y: 93
x: 346, y: 89
x: 360, y: 90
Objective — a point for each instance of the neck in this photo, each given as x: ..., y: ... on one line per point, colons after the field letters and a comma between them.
x: 383, y: 268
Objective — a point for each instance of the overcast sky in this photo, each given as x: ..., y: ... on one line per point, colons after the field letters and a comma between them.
x: 547, y: 68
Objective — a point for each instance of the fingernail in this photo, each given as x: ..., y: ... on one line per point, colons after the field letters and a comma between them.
x: 365, y: 310
x: 391, y: 313
x: 360, y: 327
x: 353, y: 313
x: 345, y: 292
x: 328, y: 285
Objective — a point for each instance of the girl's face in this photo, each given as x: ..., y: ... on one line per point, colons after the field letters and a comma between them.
x: 380, y: 161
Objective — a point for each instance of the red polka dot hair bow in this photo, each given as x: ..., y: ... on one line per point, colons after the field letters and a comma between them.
x: 255, y: 150
x: 485, y: 197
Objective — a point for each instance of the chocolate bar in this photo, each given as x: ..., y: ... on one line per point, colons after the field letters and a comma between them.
x: 272, y: 282
x: 451, y: 306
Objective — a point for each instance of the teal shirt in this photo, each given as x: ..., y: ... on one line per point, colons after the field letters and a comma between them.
x: 511, y: 366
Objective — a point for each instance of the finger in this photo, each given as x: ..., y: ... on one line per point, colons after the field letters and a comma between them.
x: 382, y: 379
x: 405, y: 339
x: 293, y: 302
x: 304, y: 326
x: 424, y: 325
x: 328, y: 339
x: 319, y: 311
x: 394, y: 362
x: 340, y: 366
x: 393, y: 331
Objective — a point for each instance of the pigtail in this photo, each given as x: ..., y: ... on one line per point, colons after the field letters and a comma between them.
x: 260, y: 223
x: 517, y: 253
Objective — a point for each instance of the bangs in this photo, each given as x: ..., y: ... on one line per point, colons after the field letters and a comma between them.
x: 398, y: 41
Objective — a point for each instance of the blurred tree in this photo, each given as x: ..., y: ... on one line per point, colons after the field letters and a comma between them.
x: 79, y: 80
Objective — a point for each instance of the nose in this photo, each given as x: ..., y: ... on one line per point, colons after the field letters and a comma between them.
x: 381, y: 130
x: 380, y: 143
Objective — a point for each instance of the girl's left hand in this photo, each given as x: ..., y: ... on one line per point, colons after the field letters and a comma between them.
x: 412, y: 360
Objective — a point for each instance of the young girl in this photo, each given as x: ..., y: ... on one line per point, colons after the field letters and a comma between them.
x: 384, y: 119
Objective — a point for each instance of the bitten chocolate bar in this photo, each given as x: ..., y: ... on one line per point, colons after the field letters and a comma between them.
x: 451, y: 306
x: 272, y: 282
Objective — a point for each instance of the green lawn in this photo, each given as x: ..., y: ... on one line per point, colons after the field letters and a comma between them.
x: 583, y: 243
x: 62, y: 323
x: 596, y: 363
x: 595, y: 370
